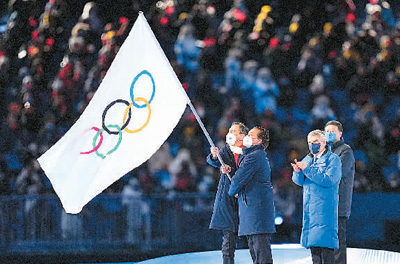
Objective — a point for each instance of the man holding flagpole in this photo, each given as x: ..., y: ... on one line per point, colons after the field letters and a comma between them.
x: 225, y: 213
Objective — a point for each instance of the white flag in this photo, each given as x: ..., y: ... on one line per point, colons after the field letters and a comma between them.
x: 134, y: 110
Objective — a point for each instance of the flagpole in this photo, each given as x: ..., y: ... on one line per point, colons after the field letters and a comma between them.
x: 206, y: 134
x: 195, y: 112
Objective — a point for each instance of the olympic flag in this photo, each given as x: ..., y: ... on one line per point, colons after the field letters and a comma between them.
x: 134, y: 110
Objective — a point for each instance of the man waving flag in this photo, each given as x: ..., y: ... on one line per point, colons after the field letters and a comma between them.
x: 134, y: 110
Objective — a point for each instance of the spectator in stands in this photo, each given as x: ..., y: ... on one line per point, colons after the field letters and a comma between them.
x: 370, y: 138
x: 4, y: 183
x: 321, y: 112
x: 361, y: 182
x: 309, y: 65
x: 265, y: 92
x: 394, y: 182
x: 132, y: 203
x: 160, y: 159
x: 147, y: 182
x: 392, y: 137
x: 187, y: 51
x: 4, y: 81
x: 183, y: 158
x: 11, y: 131
x: 247, y: 82
x: 319, y: 174
x: 232, y: 66
x: 185, y: 181
x: 225, y: 213
x: 29, y: 180
x: 334, y: 137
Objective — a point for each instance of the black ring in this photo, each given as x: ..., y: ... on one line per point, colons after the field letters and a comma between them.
x: 105, y: 112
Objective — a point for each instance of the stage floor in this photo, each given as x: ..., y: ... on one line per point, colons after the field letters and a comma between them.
x: 281, y: 253
x: 287, y: 253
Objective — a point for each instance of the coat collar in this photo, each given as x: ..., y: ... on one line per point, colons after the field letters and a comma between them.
x: 324, y: 154
x: 251, y: 149
x: 337, y: 144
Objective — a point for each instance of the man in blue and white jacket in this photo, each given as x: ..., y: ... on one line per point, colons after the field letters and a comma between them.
x: 319, y: 174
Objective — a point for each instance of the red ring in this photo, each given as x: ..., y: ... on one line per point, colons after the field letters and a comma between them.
x: 98, y: 145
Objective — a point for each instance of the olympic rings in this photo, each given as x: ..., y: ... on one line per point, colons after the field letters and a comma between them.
x: 105, y: 112
x: 126, y: 118
x: 116, y: 146
x: 148, y: 115
x: 98, y: 145
x: 133, y: 85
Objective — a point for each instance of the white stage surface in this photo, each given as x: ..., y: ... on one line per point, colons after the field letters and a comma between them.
x: 282, y: 254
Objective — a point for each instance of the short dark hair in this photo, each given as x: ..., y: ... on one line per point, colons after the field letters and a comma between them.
x: 335, y: 123
x: 242, y: 128
x: 263, y: 134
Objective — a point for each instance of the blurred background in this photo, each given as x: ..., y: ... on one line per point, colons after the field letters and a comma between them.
x: 287, y: 65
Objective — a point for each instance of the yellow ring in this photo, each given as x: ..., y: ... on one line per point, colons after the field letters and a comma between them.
x: 148, y: 116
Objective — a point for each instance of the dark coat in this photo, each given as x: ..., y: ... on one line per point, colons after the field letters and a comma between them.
x: 225, y: 212
x: 346, y: 156
x: 320, y: 182
x: 252, y: 181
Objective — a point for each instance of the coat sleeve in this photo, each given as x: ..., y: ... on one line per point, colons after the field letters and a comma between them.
x: 223, y: 152
x: 298, y: 178
x: 244, y: 174
x: 213, y: 162
x: 347, y: 159
x: 326, y: 176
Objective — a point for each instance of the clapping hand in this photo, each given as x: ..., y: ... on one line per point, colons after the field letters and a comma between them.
x: 298, y: 166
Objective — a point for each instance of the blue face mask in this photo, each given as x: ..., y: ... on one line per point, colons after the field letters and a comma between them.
x: 330, y: 137
x: 314, y: 147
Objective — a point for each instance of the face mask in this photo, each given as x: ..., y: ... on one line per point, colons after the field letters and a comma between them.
x: 314, y: 147
x: 330, y: 137
x: 247, y: 142
x: 230, y: 139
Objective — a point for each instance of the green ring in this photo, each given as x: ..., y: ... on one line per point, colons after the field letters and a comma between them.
x: 116, y: 146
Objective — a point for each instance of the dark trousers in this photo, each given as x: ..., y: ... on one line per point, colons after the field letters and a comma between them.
x: 340, y: 254
x: 260, y: 248
x: 228, y: 246
x: 322, y: 255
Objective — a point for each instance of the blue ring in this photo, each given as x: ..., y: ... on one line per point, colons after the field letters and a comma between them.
x: 133, y: 85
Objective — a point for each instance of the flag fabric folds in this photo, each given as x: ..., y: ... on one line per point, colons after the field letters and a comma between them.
x: 134, y: 110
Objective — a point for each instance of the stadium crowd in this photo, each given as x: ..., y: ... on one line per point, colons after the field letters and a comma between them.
x: 289, y: 66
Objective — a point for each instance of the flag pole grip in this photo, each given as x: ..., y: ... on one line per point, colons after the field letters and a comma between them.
x: 207, y: 135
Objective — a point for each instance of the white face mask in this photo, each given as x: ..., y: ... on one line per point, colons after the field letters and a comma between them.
x: 230, y: 139
x: 247, y: 142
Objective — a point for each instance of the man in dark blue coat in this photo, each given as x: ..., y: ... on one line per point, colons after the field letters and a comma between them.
x: 225, y: 214
x: 252, y: 182
x: 333, y: 134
